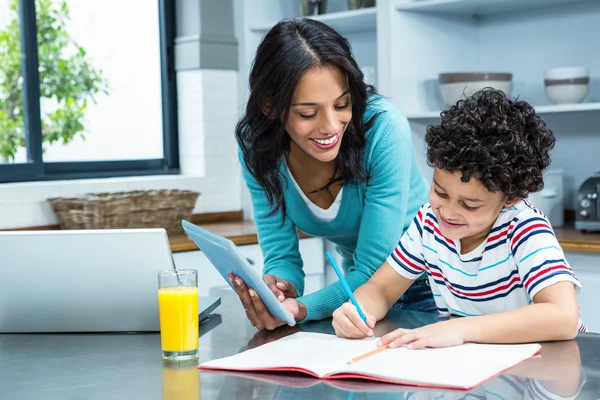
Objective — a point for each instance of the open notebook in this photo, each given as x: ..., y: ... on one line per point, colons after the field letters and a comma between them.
x: 325, y: 356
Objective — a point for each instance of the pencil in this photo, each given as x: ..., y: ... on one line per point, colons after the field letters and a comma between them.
x: 367, y: 354
x: 346, y: 287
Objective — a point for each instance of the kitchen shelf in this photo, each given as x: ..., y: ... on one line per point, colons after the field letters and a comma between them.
x: 364, y: 19
x: 428, y: 115
x: 477, y: 7
x: 567, y: 108
x: 551, y: 109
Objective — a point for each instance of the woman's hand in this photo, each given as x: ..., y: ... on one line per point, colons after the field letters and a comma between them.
x: 441, y: 334
x: 257, y: 312
x: 348, y: 323
x: 281, y: 289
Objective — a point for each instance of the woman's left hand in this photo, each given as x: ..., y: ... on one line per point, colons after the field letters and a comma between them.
x: 257, y: 312
x: 441, y: 334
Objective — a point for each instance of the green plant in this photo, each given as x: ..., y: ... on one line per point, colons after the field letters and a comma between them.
x: 67, y: 80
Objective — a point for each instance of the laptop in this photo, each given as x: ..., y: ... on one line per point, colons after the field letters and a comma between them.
x: 84, y: 280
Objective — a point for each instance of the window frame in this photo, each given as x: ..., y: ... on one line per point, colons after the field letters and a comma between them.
x: 35, y: 169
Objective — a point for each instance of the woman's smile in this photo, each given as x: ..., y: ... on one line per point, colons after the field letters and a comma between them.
x: 328, y: 142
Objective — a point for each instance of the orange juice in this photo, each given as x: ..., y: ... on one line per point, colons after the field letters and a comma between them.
x: 178, y: 318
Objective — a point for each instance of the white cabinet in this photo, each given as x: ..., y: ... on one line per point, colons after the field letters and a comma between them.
x: 208, y: 276
x: 409, y: 42
x: 254, y: 256
x: 503, y: 35
x: 524, y: 38
x: 587, y: 268
x: 311, y: 250
x: 313, y: 255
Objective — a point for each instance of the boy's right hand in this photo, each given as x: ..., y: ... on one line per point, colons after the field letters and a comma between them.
x: 348, y: 323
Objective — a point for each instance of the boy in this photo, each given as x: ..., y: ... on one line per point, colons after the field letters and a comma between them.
x: 489, y: 255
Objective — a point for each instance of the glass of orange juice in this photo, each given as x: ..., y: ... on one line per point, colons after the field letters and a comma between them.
x: 178, y: 308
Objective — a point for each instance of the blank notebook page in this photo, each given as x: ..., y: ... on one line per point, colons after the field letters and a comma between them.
x: 315, y: 352
x: 459, y: 366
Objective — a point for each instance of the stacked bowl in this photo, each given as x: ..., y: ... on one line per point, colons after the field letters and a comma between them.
x: 567, y: 85
x: 456, y: 85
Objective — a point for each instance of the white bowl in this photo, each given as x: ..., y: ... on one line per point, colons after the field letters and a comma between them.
x: 566, y: 73
x: 456, y: 86
x: 567, y: 93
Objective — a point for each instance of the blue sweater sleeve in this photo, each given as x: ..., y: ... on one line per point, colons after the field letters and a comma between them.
x: 278, y: 243
x: 388, y: 194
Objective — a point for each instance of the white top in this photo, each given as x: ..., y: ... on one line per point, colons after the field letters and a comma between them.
x: 321, y: 214
x: 520, y: 257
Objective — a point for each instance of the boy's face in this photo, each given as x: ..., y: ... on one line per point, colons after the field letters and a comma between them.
x: 464, y: 210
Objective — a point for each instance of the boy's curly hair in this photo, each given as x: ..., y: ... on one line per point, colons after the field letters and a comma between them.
x: 501, y: 142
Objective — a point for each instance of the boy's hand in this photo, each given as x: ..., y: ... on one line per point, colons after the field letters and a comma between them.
x: 441, y: 334
x: 348, y: 323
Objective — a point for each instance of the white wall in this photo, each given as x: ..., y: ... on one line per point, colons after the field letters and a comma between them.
x: 525, y: 43
x: 207, y: 114
x: 585, y: 266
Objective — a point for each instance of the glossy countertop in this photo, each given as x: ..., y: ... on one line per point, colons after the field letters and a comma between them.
x: 129, y: 366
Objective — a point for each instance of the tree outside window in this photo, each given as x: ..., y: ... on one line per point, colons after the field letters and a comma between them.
x: 67, y: 80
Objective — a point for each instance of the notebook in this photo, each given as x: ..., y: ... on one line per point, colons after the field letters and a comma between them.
x: 325, y: 356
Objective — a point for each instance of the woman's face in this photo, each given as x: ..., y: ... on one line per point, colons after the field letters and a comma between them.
x: 320, y: 112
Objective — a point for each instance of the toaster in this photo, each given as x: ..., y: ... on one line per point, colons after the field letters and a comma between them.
x: 588, y: 204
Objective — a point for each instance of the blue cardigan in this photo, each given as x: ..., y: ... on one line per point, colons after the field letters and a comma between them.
x: 372, y: 215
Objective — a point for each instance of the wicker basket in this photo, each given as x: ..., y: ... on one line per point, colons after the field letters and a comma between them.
x: 135, y: 209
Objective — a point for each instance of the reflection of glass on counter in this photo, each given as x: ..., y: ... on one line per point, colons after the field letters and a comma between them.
x: 181, y: 381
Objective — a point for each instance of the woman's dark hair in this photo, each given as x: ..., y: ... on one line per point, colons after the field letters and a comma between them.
x: 501, y: 142
x: 287, y: 51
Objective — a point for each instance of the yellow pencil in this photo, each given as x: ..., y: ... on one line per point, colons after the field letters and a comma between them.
x: 367, y: 354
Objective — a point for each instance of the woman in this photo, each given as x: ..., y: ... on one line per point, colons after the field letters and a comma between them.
x: 322, y: 153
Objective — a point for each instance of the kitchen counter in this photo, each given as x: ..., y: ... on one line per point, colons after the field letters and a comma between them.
x: 231, y: 225
x: 573, y: 240
x: 239, y: 232
x: 129, y: 366
x: 244, y: 232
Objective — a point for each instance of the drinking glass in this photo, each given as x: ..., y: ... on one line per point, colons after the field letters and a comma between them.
x: 178, y: 308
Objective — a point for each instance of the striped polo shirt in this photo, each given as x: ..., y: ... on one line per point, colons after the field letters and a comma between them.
x: 520, y: 257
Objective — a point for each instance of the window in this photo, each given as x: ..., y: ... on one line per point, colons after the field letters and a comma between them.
x: 87, y: 89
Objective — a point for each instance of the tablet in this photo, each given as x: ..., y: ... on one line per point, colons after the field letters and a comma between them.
x: 226, y: 258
